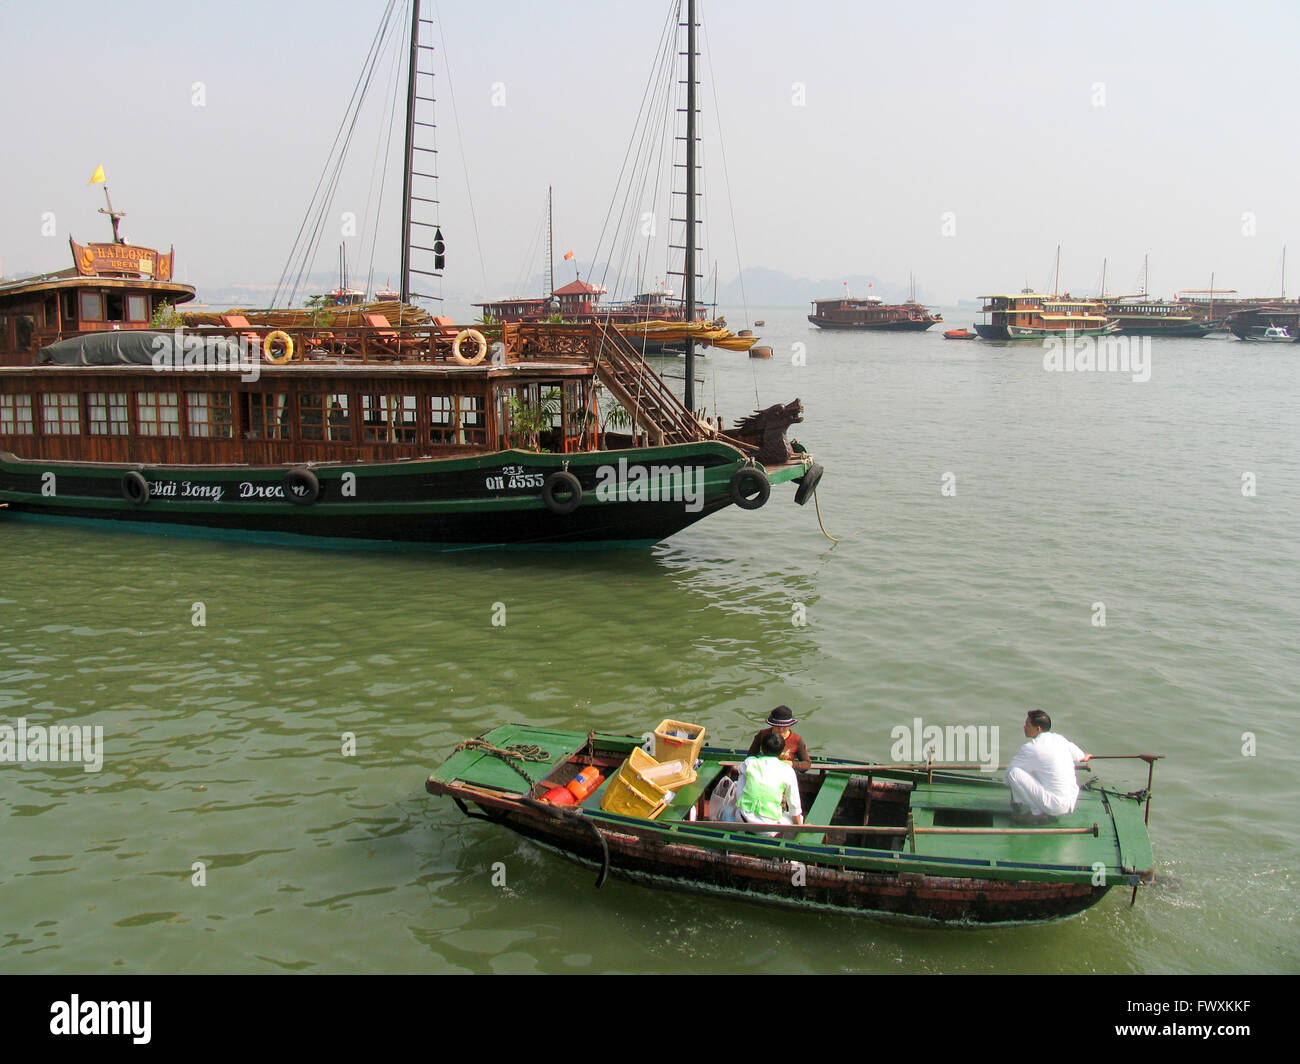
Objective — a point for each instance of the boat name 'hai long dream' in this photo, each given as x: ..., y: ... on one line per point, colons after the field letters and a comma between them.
x: 352, y: 434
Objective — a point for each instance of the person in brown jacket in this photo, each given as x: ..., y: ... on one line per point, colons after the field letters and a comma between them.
x: 779, y: 722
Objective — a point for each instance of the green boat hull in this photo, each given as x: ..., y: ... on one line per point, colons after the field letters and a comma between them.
x: 635, y: 497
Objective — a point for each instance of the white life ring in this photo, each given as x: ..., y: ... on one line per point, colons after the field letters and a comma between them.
x: 478, y: 338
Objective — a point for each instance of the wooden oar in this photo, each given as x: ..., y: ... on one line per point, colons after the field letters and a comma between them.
x: 939, y: 766
x: 919, y: 765
x: 854, y: 829
x: 1112, y: 757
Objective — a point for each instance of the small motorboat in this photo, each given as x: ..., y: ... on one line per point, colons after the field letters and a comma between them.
x: 959, y: 334
x: 1274, y: 334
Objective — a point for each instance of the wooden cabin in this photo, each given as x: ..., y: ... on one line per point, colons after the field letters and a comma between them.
x: 109, y: 287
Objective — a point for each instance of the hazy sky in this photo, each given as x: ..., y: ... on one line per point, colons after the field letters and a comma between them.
x: 961, y: 142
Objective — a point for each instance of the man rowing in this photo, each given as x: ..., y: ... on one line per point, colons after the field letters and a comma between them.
x: 1042, y: 775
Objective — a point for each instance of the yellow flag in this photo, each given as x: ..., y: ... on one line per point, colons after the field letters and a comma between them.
x: 97, y: 177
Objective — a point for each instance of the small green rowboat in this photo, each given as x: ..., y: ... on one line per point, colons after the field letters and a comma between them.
x: 916, y: 843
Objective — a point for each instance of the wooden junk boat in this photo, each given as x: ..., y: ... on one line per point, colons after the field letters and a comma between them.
x: 351, y: 434
x: 904, y: 842
x: 1034, y: 316
x: 871, y: 313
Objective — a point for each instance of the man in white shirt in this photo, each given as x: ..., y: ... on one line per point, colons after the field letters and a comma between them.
x: 1041, y: 775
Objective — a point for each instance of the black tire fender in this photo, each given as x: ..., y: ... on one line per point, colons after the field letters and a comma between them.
x: 135, y: 489
x: 744, y: 483
x: 561, y: 481
x: 301, y: 487
x: 808, y: 483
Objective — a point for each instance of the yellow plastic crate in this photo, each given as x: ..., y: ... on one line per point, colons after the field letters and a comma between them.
x: 652, y: 770
x: 670, y: 747
x: 628, y: 794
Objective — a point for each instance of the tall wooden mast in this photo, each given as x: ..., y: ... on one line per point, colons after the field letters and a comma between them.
x: 690, y: 204
x: 415, y: 119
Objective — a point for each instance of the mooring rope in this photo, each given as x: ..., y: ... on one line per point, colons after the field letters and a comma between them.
x: 509, y: 754
x: 818, y: 505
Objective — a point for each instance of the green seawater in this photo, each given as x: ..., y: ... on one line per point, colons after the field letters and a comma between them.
x: 224, y: 744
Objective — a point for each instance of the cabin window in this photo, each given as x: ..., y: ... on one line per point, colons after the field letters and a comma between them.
x: 325, y: 416
x: 575, y: 407
x: 108, y: 415
x: 51, y: 313
x: 4, y: 332
x: 62, y: 412
x: 137, y: 308
x: 208, y: 415
x: 442, y: 419
x: 457, y: 419
x: 114, y: 306
x: 158, y: 414
x: 267, y: 415
x: 69, y: 306
x: 15, y: 415
x: 473, y: 422
x: 388, y: 419
x: 92, y: 307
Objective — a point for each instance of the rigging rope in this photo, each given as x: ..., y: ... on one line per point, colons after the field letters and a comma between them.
x: 314, y: 220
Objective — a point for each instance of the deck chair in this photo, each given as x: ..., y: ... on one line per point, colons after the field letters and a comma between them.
x: 388, y: 339
x: 238, y: 321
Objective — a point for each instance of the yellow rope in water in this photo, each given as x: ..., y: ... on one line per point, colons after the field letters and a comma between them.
x: 817, y: 503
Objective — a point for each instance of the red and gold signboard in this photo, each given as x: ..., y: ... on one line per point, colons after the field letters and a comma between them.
x: 100, y: 260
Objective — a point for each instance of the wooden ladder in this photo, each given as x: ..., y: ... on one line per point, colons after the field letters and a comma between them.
x: 654, y: 406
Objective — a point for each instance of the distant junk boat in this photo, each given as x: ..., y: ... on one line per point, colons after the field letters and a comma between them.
x: 1138, y: 316
x: 871, y: 313
x: 1034, y: 316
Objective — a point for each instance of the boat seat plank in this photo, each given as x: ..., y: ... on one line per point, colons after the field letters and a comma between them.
x: 823, y: 807
x: 1132, y: 842
x: 690, y: 794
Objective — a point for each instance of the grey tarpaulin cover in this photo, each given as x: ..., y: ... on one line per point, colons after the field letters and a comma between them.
x: 141, y: 347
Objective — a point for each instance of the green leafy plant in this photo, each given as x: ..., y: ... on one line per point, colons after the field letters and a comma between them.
x: 615, y: 415
x: 529, y: 420
x: 166, y: 316
x: 321, y: 317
